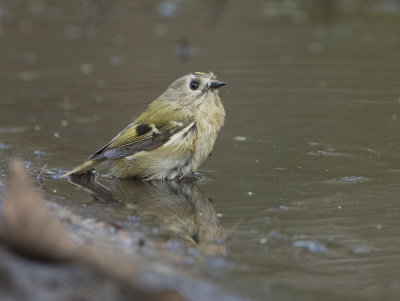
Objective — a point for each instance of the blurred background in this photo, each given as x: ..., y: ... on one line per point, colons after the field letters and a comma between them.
x: 304, y: 175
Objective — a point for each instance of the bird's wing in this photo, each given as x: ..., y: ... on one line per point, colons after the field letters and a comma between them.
x: 142, y: 137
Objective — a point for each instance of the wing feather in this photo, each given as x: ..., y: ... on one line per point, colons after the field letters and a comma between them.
x: 138, y: 137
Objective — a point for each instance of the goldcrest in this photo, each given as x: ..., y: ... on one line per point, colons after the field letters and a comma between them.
x: 171, y: 139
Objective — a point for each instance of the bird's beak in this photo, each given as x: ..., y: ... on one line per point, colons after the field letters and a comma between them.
x: 216, y: 85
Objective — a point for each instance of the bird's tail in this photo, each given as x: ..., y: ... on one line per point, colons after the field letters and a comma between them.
x: 88, y: 165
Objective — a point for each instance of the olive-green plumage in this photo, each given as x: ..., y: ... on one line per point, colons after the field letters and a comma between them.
x: 171, y: 138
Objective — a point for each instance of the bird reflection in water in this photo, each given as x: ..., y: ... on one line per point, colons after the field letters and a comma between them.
x: 180, y: 209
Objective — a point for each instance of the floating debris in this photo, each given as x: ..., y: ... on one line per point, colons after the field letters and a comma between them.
x: 240, y: 138
x: 329, y: 152
x: 347, y: 180
x: 276, y: 234
x: 353, y: 179
x: 310, y: 245
x: 42, y: 171
x: 359, y: 250
x: 38, y: 153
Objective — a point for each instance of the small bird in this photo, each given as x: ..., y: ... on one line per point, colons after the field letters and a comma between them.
x: 171, y: 139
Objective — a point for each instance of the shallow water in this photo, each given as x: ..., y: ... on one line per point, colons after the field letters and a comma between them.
x: 304, y: 175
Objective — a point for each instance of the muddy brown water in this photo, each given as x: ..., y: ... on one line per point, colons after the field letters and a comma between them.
x: 305, y: 174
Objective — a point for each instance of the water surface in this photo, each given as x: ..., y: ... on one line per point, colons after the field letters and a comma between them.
x: 304, y: 175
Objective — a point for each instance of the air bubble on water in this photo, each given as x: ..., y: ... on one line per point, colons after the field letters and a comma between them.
x: 167, y: 9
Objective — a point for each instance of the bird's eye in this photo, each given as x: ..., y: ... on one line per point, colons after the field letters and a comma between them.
x: 194, y: 85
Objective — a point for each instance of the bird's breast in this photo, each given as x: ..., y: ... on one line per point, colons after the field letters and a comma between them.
x: 209, y: 120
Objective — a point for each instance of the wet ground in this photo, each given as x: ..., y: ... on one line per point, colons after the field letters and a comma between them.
x: 304, y: 175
